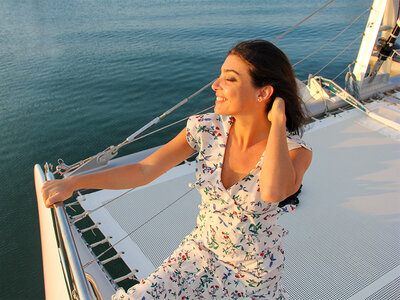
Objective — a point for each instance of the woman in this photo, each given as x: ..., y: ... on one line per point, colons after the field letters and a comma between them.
x: 247, y: 164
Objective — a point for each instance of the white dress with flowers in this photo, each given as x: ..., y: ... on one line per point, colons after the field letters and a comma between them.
x: 235, y: 250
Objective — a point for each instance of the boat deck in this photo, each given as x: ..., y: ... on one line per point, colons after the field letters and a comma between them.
x: 344, y: 236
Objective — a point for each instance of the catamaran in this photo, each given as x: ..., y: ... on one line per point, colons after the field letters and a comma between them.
x: 345, y: 239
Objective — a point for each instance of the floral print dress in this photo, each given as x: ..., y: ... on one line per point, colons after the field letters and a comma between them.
x: 235, y: 251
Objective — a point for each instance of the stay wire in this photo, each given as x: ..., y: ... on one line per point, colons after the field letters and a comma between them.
x: 332, y: 39
x: 341, y: 52
x: 301, y: 22
x: 348, y: 67
x: 172, y: 124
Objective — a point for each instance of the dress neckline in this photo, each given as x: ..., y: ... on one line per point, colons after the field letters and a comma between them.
x: 227, y: 125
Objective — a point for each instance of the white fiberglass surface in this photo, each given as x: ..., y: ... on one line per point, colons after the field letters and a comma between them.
x: 345, y: 233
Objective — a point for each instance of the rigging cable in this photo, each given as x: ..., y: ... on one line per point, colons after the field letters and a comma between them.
x: 341, y: 52
x: 301, y: 22
x: 169, y: 125
x: 332, y: 39
x: 348, y: 67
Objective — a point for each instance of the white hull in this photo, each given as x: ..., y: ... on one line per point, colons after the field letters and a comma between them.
x: 53, y: 272
x: 54, y: 282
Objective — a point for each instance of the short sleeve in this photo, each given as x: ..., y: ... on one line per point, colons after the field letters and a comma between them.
x: 192, y: 136
x: 294, y: 141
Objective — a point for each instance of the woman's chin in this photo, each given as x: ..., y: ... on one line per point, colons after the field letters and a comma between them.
x: 219, y: 110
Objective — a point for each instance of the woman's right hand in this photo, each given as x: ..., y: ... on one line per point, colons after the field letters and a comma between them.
x: 277, y: 112
x: 55, y: 191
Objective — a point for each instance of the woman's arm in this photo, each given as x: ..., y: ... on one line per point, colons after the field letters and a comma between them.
x: 123, y: 177
x: 282, y: 171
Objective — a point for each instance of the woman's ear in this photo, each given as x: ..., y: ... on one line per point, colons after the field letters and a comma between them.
x: 265, y: 93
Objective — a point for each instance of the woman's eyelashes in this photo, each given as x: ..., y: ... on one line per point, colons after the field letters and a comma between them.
x: 226, y: 77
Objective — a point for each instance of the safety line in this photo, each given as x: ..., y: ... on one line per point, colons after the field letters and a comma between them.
x: 301, y: 22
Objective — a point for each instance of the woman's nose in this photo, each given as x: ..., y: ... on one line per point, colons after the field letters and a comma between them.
x: 215, y: 84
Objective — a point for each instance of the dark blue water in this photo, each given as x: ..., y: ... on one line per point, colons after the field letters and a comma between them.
x: 78, y: 76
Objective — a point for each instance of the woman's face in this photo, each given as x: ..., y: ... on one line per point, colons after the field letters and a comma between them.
x: 235, y: 93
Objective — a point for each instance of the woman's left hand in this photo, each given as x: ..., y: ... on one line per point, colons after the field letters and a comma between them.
x: 277, y: 112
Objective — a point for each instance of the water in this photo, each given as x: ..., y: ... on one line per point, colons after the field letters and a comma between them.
x: 78, y: 76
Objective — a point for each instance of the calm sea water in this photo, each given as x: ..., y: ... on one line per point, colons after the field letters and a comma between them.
x: 77, y: 76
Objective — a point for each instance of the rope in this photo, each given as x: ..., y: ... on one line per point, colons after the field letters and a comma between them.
x: 301, y: 22
x: 137, y: 228
x: 332, y: 60
x: 169, y: 125
x: 333, y: 79
x: 334, y: 38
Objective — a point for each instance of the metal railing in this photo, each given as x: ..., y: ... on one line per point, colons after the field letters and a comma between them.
x: 74, y: 274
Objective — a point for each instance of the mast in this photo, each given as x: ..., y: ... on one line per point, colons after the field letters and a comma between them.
x: 382, y: 18
x: 369, y: 39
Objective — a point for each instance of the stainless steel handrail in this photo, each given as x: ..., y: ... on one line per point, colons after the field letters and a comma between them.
x: 74, y: 264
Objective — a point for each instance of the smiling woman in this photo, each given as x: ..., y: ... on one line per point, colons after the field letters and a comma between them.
x: 246, y: 165
x: 244, y: 169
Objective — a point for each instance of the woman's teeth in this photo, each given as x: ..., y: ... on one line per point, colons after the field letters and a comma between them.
x: 221, y: 99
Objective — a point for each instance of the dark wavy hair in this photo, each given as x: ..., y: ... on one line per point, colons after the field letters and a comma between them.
x: 270, y: 66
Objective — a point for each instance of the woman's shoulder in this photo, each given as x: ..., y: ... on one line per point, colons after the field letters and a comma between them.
x: 209, y: 119
x: 203, y: 129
